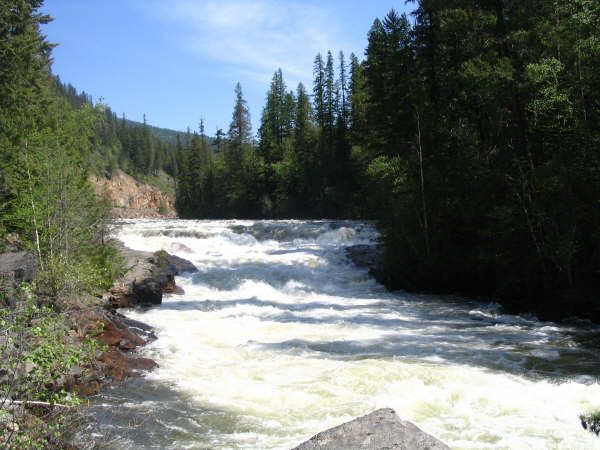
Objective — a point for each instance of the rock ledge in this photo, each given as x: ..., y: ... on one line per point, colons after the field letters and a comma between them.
x: 147, y: 277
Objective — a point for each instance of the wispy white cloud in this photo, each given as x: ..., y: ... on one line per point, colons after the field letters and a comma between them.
x: 253, y: 38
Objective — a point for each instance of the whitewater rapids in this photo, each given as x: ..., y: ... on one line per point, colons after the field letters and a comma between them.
x: 279, y: 336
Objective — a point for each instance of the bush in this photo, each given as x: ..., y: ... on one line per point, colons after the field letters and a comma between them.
x: 162, y: 207
x: 37, y: 352
x: 591, y: 422
x: 93, y: 274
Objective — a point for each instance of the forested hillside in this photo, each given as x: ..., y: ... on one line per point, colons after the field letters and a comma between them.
x: 470, y: 131
x: 137, y: 148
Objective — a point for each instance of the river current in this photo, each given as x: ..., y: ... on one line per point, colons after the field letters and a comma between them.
x: 280, y: 336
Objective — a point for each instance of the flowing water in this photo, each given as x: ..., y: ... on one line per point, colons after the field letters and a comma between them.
x: 280, y: 336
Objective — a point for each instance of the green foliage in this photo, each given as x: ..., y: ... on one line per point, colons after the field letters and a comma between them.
x: 591, y: 422
x: 162, y: 207
x: 301, y: 166
x: 93, y: 274
x: 497, y: 128
x: 37, y: 354
x: 161, y: 259
x: 137, y: 148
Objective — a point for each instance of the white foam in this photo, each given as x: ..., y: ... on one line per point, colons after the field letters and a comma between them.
x: 286, y: 333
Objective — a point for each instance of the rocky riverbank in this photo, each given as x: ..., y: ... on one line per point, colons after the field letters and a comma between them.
x: 148, y: 276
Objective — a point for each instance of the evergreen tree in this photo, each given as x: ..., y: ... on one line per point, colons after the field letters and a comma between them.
x: 357, y: 101
x: 319, y: 91
x: 329, y: 99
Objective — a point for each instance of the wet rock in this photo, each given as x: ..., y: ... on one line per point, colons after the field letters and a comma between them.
x: 117, y: 334
x: 119, y: 366
x: 121, y: 337
x: 149, y: 291
x: 140, y: 328
x: 382, y: 429
x: 147, y: 277
x: 91, y: 387
x: 368, y: 256
x: 591, y: 422
x: 182, y: 265
x: 106, y: 326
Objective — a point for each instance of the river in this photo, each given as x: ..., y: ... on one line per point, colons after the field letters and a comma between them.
x: 280, y: 336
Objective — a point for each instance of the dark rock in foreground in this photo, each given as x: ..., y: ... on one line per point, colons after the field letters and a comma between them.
x: 17, y: 267
x: 382, y: 429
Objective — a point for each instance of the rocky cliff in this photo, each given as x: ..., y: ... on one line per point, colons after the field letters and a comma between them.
x: 132, y: 199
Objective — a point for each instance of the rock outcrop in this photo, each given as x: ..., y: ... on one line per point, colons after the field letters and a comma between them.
x: 368, y: 256
x: 17, y: 267
x: 132, y: 199
x: 382, y: 429
x: 118, y: 361
x: 149, y: 275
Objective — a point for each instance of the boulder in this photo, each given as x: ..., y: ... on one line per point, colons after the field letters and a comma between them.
x: 17, y: 267
x: 182, y: 265
x: 148, y: 291
x: 119, y: 366
x: 149, y: 276
x: 382, y: 429
x: 116, y: 361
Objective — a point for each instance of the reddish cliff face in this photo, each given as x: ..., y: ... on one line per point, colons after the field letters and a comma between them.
x: 132, y: 199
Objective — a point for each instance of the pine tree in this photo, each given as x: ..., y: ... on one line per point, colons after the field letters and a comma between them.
x: 305, y: 164
x: 357, y: 101
x: 342, y: 102
x: 240, y: 129
x: 319, y: 91
x: 277, y: 119
x: 236, y: 150
x: 329, y: 98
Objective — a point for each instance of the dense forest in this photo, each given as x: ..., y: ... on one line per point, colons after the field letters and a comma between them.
x: 470, y: 131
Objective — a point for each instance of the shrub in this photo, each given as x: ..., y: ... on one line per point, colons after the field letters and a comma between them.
x: 591, y: 422
x: 37, y: 353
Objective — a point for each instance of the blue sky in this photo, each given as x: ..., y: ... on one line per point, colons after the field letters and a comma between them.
x: 177, y: 61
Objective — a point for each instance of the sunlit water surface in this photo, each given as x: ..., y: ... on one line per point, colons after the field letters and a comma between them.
x: 280, y: 336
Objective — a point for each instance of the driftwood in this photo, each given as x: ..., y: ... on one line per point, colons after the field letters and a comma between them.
x: 37, y: 403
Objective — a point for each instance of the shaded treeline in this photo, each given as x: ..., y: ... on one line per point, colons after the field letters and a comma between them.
x: 470, y: 131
